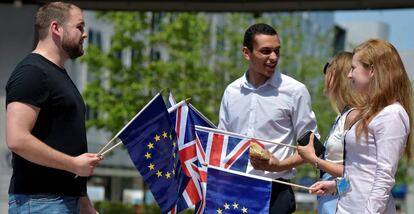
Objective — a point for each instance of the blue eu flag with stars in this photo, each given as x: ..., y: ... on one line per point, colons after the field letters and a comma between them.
x: 235, y: 192
x: 151, y: 144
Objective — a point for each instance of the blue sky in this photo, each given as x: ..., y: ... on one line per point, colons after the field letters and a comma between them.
x: 400, y: 21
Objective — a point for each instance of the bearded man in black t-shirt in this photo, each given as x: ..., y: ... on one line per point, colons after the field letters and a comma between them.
x: 45, y: 114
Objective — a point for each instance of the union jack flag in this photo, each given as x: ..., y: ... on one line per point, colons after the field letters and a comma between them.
x: 191, y: 157
x: 198, y: 149
x: 225, y: 151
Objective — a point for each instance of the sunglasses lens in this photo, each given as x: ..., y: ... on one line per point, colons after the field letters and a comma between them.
x: 325, y: 67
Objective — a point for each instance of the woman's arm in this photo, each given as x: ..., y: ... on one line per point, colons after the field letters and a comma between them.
x: 308, y: 154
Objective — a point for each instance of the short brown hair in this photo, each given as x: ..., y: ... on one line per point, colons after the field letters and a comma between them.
x: 54, y: 11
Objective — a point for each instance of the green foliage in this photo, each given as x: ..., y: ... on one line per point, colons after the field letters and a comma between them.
x: 402, y: 176
x: 117, y: 89
x: 108, y: 207
x: 152, y: 209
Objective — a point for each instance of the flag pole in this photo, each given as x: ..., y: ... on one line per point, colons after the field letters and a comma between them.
x: 291, y: 184
x: 111, y: 148
x: 170, y: 110
x: 174, y: 107
x: 202, y: 128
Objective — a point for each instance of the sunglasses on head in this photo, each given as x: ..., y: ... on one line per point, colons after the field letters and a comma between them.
x: 325, y: 67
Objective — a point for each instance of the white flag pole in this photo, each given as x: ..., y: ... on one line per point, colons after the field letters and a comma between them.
x: 111, y: 148
x: 174, y: 107
x: 170, y: 110
x: 202, y: 128
x: 291, y: 184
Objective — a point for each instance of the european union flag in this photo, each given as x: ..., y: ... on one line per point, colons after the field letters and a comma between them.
x: 235, y: 192
x: 151, y: 144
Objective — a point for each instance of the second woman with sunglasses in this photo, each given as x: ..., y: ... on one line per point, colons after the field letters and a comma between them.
x: 338, y: 89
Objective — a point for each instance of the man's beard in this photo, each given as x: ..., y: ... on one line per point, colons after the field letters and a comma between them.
x: 72, y: 48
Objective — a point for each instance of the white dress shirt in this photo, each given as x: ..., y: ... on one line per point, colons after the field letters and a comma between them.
x: 279, y: 110
x: 371, y: 163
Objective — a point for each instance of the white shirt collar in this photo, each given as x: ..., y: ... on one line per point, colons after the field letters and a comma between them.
x: 272, y: 81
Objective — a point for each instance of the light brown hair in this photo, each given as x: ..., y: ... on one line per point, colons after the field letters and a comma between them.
x: 341, y: 89
x: 54, y: 11
x: 390, y: 83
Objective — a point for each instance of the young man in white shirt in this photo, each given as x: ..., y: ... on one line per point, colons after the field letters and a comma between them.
x: 266, y: 104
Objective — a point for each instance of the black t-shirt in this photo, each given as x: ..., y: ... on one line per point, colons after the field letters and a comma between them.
x: 60, y: 124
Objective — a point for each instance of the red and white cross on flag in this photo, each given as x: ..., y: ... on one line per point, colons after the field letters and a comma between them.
x: 191, y: 157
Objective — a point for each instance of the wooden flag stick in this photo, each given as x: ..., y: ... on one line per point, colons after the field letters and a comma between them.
x: 111, y: 148
x: 291, y: 184
x: 202, y: 128
x: 170, y: 110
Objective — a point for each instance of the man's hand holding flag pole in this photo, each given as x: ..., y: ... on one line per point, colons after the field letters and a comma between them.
x: 150, y: 139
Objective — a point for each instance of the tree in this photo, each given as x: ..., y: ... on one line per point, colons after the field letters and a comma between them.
x: 119, y: 89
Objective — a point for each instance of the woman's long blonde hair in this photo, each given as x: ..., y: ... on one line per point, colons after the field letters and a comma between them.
x: 389, y: 83
x: 341, y: 88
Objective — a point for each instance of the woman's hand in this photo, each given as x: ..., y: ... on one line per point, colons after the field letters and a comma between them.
x: 308, y: 152
x: 323, y: 188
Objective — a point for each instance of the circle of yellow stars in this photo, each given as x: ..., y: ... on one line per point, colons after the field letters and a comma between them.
x: 234, y: 206
x: 148, y: 154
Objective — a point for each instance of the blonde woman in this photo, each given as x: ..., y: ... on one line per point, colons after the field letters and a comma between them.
x: 376, y: 142
x: 339, y: 90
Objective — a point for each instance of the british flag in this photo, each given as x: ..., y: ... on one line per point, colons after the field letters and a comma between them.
x: 225, y: 151
x: 199, y: 149
x: 186, y: 117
